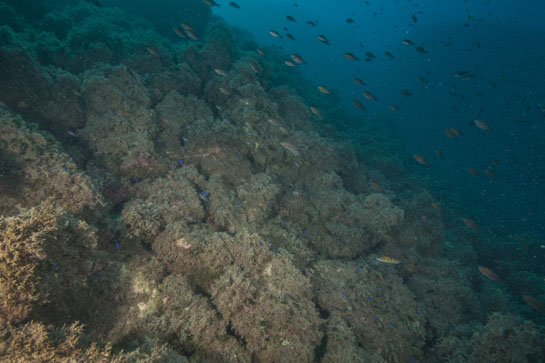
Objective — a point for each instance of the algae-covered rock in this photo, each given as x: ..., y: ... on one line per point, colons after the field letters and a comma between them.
x: 383, y: 314
x: 165, y: 200
x: 35, y: 169
x: 120, y: 127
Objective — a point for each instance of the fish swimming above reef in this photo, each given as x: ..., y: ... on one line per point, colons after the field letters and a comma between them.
x: 290, y: 18
x: 359, y: 81
x: 358, y: 104
x: 482, y: 125
x: 420, y: 160
x: 152, y: 51
x: 386, y: 259
x: 350, y: 56
x: 288, y: 145
x: 234, y: 5
x: 369, y: 96
x: 323, y: 39
x: 179, y: 32
x: 324, y: 90
x: 533, y: 302
x: 274, y: 33
x: 297, y: 58
x: 474, y: 172
x: 315, y: 111
x: 489, y: 273
x: 254, y: 67
x: 471, y: 224
x: 220, y: 72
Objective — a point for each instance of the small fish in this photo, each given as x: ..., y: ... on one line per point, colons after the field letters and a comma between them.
x: 225, y: 91
x: 358, y: 104
x: 490, y: 173
x: 404, y: 92
x: 323, y: 39
x: 420, y: 49
x: 474, y: 171
x: 220, y: 72
x: 254, y: 67
x: 407, y: 42
x: 471, y: 224
x: 311, y: 23
x: 482, y: 125
x: 290, y: 18
x: 439, y: 153
x: 394, y: 107
x: 234, y: 5
x: 204, y: 197
x: 179, y: 32
x: 289, y: 63
x: 288, y: 145
x: 450, y: 134
x: 152, y: 51
x: 324, y: 90
x: 191, y: 34
x: 420, y: 159
x: 274, y: 122
x: 370, y: 55
x: 460, y: 74
x: 350, y: 20
x: 386, y: 259
x: 297, y: 58
x: 369, y: 96
x: 489, y: 273
x: 377, y: 187
x: 533, y: 302
x: 260, y: 51
x: 436, y: 206
x: 186, y: 26
x: 315, y: 111
x: 275, y: 34
x: 351, y: 57
x: 290, y: 36
x: 359, y: 81
x: 457, y: 131
x: 389, y: 55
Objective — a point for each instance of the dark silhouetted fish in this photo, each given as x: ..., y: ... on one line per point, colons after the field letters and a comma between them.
x: 351, y: 56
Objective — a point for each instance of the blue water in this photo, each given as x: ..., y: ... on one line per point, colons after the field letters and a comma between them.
x: 502, y: 43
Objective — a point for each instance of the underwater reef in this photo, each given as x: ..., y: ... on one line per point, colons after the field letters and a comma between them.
x: 176, y: 200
